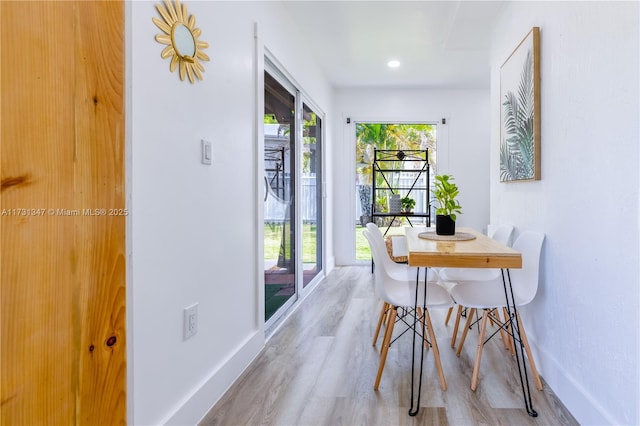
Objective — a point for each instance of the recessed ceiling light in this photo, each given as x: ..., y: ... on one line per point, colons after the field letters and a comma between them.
x: 393, y: 64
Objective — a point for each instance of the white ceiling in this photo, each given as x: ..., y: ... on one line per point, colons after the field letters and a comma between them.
x: 440, y: 44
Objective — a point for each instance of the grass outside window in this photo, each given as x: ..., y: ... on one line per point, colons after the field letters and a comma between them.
x: 274, y: 233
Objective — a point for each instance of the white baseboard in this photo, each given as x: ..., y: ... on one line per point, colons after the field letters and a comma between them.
x: 205, y: 395
x: 582, y: 405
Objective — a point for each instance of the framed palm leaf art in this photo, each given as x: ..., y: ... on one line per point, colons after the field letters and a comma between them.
x: 520, y: 111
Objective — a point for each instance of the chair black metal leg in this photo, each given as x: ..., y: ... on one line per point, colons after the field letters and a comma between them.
x: 413, y: 410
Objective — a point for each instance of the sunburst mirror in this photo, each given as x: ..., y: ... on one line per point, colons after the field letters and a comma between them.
x: 181, y: 37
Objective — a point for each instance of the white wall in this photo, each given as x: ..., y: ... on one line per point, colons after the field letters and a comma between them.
x: 463, y: 147
x: 192, y: 231
x: 584, y: 320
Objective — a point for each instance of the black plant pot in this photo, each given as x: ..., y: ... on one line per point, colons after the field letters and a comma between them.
x: 445, y: 225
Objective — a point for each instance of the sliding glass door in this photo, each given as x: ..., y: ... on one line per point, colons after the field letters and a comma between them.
x: 311, y: 195
x: 279, y: 196
x: 293, y: 208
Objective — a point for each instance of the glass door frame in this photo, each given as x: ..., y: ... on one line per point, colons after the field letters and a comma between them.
x: 302, y: 100
x: 274, y: 72
x: 277, y: 72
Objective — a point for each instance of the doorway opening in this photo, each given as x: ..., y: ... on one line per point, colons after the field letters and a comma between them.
x: 386, y: 136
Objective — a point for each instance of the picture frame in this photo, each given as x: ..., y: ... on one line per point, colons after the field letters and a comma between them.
x: 520, y: 111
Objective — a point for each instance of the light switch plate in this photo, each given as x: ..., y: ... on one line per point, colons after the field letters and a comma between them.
x: 190, y: 321
x: 207, y: 153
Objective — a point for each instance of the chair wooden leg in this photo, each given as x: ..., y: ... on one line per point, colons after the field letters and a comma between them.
x: 385, y: 346
x: 424, y: 340
x: 491, y: 323
x: 383, y: 314
x: 470, y: 314
x: 436, y: 352
x: 506, y: 319
x: 455, y: 327
x: 446, y: 320
x: 476, y: 366
x: 525, y: 342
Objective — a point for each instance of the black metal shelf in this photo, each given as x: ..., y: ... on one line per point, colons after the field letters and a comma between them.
x: 385, y: 158
x: 399, y: 188
x: 400, y: 170
x: 400, y: 214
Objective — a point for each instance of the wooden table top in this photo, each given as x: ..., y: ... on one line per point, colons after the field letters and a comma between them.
x: 481, y: 252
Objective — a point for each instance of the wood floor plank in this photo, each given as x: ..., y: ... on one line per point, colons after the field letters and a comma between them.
x: 303, y: 385
x: 319, y: 368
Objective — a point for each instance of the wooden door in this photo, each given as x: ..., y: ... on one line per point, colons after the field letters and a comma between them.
x: 62, y: 258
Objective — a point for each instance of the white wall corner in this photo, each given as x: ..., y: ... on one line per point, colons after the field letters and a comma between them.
x: 330, y: 264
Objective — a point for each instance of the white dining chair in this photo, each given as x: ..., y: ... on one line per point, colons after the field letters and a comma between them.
x: 399, y: 271
x: 501, y: 234
x: 400, y: 292
x: 489, y: 296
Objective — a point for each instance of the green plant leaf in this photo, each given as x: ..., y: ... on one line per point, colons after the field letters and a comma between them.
x: 445, y: 193
x: 517, y: 146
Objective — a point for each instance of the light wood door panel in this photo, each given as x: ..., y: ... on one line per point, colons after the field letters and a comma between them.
x: 62, y: 151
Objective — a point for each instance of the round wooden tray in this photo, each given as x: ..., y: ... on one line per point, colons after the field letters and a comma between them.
x: 459, y: 236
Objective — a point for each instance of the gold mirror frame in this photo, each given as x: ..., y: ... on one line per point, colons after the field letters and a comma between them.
x: 176, y: 20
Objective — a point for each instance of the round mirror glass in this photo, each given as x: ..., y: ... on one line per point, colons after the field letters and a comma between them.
x: 183, y: 41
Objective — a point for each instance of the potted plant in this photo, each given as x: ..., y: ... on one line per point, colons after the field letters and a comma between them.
x: 445, y: 194
x: 408, y: 204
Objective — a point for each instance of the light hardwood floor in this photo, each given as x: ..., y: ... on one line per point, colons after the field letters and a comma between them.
x: 319, y: 369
